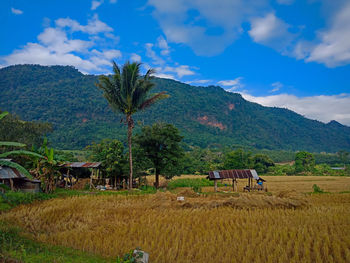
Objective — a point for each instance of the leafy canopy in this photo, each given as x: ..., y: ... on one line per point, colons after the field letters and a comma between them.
x: 111, y: 154
x: 160, y: 143
x: 126, y: 91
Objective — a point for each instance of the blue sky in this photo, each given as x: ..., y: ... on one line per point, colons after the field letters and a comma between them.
x: 285, y: 53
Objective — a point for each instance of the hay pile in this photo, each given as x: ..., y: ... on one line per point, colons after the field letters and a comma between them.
x: 286, y: 199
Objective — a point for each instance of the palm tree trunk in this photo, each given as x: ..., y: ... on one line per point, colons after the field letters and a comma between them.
x: 130, y: 127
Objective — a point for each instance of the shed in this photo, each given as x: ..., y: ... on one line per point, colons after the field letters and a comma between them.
x: 17, y: 181
x: 249, y: 174
x: 94, y: 166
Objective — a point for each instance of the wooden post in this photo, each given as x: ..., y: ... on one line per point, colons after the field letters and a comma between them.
x: 92, y: 172
x: 11, y: 184
x: 215, y: 185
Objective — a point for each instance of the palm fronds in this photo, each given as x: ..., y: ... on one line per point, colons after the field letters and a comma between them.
x: 21, y: 152
x: 20, y: 168
x: 3, y: 114
x: 13, y: 144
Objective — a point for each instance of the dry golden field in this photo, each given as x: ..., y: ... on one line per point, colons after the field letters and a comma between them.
x: 287, y: 226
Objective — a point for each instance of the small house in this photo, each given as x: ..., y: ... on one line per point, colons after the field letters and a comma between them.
x: 17, y: 181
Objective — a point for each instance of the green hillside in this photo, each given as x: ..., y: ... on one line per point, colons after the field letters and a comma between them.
x: 206, y: 116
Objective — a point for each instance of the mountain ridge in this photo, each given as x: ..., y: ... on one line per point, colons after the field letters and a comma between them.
x: 206, y: 116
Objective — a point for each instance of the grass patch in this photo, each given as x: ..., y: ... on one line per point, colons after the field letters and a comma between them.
x: 13, y: 246
x: 194, y: 183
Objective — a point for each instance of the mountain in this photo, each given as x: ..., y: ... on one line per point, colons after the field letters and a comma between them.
x: 206, y: 116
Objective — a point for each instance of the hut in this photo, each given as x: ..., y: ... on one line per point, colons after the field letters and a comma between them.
x: 248, y: 174
x: 71, y: 170
x: 17, y: 181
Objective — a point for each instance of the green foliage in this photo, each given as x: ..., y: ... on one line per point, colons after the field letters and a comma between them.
x: 317, y: 189
x: 196, y: 183
x: 261, y: 163
x: 130, y: 257
x: 47, y: 169
x: 160, y: 143
x: 10, y: 163
x: 304, y: 162
x: 240, y: 159
x: 23, y: 132
x: 111, y: 154
x: 343, y: 156
x: 237, y: 160
x: 38, y: 93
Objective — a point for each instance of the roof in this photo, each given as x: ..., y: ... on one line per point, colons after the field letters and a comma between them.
x: 10, y: 173
x: 233, y: 174
x: 82, y: 164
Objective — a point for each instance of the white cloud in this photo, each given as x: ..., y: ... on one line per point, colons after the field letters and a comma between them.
x: 276, y: 86
x: 225, y: 15
x: 136, y: 58
x: 152, y: 54
x: 163, y: 45
x: 94, y: 26
x: 323, y: 108
x: 333, y: 48
x: 165, y: 76
x: 181, y: 71
x: 95, y: 4
x: 199, y: 81
x: 270, y: 31
x: 16, y: 11
x: 233, y: 84
x: 56, y: 47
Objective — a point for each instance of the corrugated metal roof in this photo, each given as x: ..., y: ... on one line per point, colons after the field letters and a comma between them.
x: 82, y: 164
x: 10, y: 173
x: 232, y: 174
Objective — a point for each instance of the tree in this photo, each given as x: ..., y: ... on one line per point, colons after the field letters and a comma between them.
x: 237, y: 160
x: 160, y: 143
x: 261, y: 163
x: 304, y: 161
x: 127, y: 93
x: 343, y: 156
x: 29, y: 133
x: 47, y: 169
x: 111, y: 155
x: 9, y: 163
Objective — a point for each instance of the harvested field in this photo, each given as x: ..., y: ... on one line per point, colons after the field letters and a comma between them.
x: 302, y: 184
x: 252, y: 227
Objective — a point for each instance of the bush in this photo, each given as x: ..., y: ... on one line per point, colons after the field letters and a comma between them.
x: 317, y: 189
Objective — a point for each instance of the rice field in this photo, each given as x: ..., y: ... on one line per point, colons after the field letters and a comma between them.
x: 283, y: 225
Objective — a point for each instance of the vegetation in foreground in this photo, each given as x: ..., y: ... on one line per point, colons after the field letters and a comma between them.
x: 201, y: 227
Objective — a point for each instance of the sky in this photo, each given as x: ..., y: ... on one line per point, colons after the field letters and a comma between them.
x: 293, y: 54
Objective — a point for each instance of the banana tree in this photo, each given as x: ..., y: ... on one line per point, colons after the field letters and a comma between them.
x: 8, y: 162
x: 47, y: 169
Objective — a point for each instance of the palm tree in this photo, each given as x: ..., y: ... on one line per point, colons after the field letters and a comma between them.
x: 127, y: 92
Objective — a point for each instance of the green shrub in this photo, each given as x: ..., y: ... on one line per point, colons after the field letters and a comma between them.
x: 317, y: 189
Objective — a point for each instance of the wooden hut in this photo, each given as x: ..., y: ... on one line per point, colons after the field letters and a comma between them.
x: 248, y: 174
x: 93, y: 167
x: 17, y: 181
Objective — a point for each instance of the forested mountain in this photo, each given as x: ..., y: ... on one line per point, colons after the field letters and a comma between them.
x: 206, y: 116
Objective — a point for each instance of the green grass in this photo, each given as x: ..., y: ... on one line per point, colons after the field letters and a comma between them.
x: 17, y: 247
x: 187, y: 182
x: 12, y: 199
